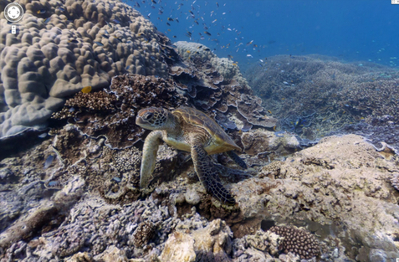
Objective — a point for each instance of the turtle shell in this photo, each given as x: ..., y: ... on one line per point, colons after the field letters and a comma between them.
x: 220, y: 142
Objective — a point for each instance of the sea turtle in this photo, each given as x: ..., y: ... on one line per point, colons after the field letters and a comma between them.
x: 190, y: 130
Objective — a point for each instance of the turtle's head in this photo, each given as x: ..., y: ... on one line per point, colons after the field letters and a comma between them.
x: 153, y: 118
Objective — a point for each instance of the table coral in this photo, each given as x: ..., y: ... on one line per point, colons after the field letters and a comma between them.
x: 217, y: 86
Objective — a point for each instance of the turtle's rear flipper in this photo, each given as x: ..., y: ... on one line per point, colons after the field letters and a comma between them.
x: 209, y: 175
x: 237, y: 159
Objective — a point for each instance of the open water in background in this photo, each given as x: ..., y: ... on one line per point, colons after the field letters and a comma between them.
x: 352, y: 30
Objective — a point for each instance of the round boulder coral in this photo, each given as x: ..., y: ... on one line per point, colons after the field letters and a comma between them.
x: 297, y: 241
x: 61, y: 47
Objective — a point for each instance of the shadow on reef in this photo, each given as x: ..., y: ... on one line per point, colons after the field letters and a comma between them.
x: 15, y: 145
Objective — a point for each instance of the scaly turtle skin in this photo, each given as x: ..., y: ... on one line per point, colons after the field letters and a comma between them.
x: 189, y: 130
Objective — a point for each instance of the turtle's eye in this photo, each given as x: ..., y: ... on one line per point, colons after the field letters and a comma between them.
x: 148, y: 116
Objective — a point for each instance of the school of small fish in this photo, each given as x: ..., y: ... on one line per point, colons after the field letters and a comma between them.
x: 205, y: 22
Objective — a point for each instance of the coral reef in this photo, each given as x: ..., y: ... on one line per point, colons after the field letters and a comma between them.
x: 112, y: 113
x: 196, y: 51
x: 314, y: 95
x: 24, y: 182
x: 145, y: 232
x: 217, y: 86
x: 319, y: 188
x: 92, y: 43
x: 338, y: 186
x: 43, y: 214
x: 71, y: 45
x: 75, y: 195
x: 265, y: 241
x: 382, y: 132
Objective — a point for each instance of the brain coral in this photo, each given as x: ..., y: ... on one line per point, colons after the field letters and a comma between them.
x: 61, y: 47
x: 297, y: 241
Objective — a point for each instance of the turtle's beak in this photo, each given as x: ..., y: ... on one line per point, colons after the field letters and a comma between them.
x: 142, y: 120
x: 139, y: 121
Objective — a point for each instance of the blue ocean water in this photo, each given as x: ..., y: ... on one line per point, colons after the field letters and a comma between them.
x: 352, y: 30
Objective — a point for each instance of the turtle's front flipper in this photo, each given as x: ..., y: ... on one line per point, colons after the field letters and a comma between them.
x: 208, y: 175
x: 150, y: 149
x: 237, y: 159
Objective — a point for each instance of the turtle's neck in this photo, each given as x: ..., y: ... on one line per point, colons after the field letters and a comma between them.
x: 172, y: 126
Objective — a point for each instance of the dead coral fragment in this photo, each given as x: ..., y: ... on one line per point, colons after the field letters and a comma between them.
x: 144, y: 233
x: 395, y: 181
x: 297, y: 241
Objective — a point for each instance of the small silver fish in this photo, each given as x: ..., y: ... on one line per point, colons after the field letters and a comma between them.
x: 42, y: 135
x: 54, y: 184
x: 48, y: 162
x: 116, y: 179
